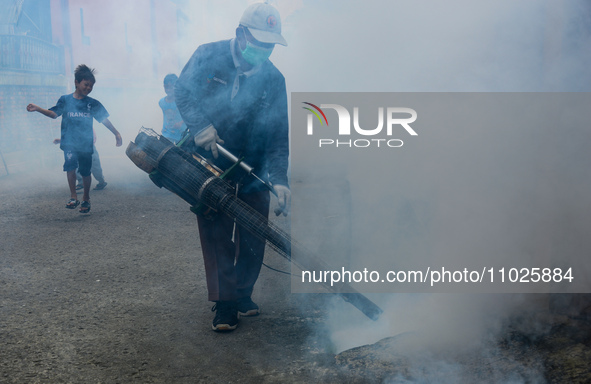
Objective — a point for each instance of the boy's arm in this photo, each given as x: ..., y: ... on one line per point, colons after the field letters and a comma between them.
x: 46, y: 112
x: 111, y: 128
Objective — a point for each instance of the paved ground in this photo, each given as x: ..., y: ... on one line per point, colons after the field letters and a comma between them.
x: 118, y: 295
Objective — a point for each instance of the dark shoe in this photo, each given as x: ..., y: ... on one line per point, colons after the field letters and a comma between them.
x: 247, y: 307
x: 79, y: 186
x: 226, y: 316
x: 84, y: 207
x: 100, y: 186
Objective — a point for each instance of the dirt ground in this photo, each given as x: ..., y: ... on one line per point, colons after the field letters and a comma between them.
x: 119, y: 296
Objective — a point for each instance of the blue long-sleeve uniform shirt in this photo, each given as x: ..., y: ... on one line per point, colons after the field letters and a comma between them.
x: 253, y: 121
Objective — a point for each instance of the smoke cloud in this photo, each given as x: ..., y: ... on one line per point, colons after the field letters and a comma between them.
x: 453, y: 46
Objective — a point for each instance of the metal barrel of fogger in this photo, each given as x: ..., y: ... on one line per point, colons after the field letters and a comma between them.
x: 228, y: 155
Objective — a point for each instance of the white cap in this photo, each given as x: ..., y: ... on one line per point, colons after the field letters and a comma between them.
x: 264, y: 23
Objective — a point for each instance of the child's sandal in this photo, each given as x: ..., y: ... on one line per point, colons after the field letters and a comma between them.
x: 72, y: 204
x: 85, y: 207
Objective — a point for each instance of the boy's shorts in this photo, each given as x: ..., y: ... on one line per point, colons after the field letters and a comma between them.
x: 80, y: 160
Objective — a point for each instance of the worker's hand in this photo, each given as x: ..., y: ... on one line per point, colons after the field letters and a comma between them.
x: 118, y: 140
x: 32, y: 108
x: 57, y: 141
x: 284, y: 199
x: 208, y: 140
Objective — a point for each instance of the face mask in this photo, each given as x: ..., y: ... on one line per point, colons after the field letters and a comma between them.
x: 253, y: 54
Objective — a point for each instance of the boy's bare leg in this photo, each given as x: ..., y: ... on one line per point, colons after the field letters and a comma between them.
x: 86, y: 181
x: 72, y: 184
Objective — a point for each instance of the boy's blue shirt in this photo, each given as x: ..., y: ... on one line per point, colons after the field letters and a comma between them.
x: 171, y: 117
x: 77, y: 119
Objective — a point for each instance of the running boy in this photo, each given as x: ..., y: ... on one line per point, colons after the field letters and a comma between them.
x: 77, y: 111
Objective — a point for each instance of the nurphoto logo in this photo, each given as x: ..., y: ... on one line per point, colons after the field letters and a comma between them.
x: 394, y: 117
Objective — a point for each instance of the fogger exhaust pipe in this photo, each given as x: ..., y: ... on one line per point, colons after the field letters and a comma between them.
x: 194, y: 182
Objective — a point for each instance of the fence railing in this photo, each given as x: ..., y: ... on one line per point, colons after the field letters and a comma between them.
x: 24, y: 53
